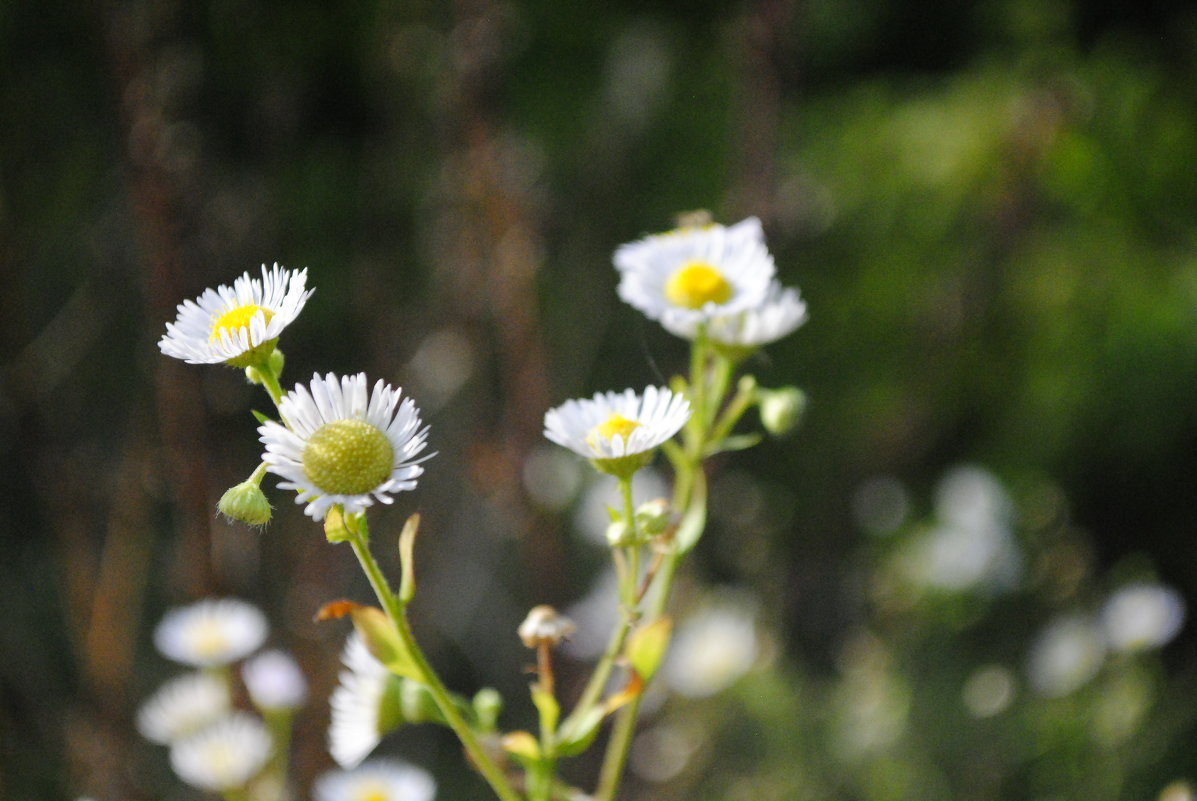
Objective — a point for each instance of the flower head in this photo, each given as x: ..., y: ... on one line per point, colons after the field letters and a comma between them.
x: 691, y: 275
x: 342, y: 445
x: 183, y: 706
x: 357, y: 704
x: 224, y: 756
x: 376, y: 780
x: 211, y: 632
x: 778, y: 314
x: 240, y: 324
x: 617, y: 428
x: 274, y: 681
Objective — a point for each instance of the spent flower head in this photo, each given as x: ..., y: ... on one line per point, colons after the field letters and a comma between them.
x: 689, y: 276
x: 618, y: 431
x: 376, y: 780
x: 211, y: 632
x: 225, y: 756
x: 341, y: 445
x: 237, y: 325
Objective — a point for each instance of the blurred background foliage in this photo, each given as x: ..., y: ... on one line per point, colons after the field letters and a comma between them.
x: 989, y: 207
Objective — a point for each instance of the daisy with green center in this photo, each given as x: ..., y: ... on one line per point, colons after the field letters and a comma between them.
x: 183, y: 706
x: 376, y: 780
x: 225, y: 756
x: 778, y: 314
x: 686, y: 277
x: 618, y: 431
x: 341, y: 445
x: 237, y: 325
x: 211, y: 633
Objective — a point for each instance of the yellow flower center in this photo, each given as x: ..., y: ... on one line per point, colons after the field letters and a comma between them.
x: 697, y: 283
x: 236, y: 318
x: 371, y: 792
x: 347, y: 457
x: 615, y: 425
x: 208, y: 638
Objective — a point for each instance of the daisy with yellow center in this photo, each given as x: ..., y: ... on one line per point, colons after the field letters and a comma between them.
x: 358, y: 719
x: 686, y: 277
x: 376, y: 780
x: 618, y: 430
x: 237, y: 325
x: 342, y: 445
x: 211, y: 632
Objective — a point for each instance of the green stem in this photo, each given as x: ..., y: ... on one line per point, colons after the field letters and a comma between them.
x: 745, y: 395
x: 395, y: 611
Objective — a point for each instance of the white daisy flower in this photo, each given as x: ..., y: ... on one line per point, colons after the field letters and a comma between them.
x: 225, y: 756
x: 211, y: 632
x: 238, y: 324
x: 689, y: 276
x: 342, y: 445
x: 376, y: 780
x: 183, y: 706
x: 613, y: 427
x: 778, y: 314
x: 357, y: 704
x: 274, y: 681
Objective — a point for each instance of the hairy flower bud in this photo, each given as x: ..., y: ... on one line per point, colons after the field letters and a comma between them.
x: 247, y: 503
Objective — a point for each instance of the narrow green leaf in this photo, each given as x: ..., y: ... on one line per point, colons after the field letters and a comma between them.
x: 647, y: 645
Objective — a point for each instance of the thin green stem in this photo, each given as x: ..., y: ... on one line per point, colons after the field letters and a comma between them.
x: 745, y: 395
x: 395, y: 611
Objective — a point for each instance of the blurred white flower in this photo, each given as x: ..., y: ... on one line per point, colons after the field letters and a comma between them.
x: 225, y: 756
x: 712, y: 648
x: 183, y: 706
x: 694, y: 274
x: 376, y: 780
x: 972, y: 545
x: 356, y: 703
x: 1068, y: 652
x: 780, y: 313
x: 1140, y: 616
x: 274, y: 681
x: 989, y: 691
x: 211, y: 632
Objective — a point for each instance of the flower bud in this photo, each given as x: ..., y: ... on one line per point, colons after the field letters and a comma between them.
x: 652, y: 517
x: 620, y: 534
x: 247, y: 503
x: 544, y: 624
x: 487, y: 705
x: 781, y: 409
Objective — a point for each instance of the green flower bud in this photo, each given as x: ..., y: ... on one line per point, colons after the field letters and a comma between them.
x: 781, y: 409
x: 620, y: 534
x: 652, y: 517
x: 487, y: 704
x: 247, y: 503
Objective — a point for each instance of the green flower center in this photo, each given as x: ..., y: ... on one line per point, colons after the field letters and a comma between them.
x: 697, y: 283
x: 236, y: 318
x: 347, y: 457
x: 614, y: 425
